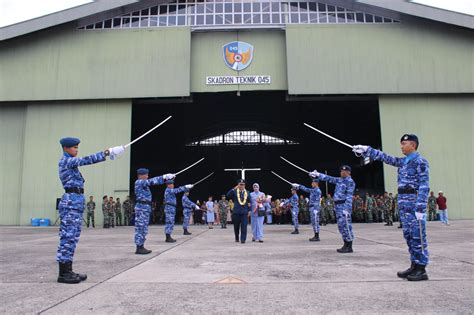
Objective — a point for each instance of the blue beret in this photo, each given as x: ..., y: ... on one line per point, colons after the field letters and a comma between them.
x: 409, y: 137
x: 169, y: 181
x: 142, y: 171
x: 315, y: 180
x: 69, y: 142
x: 345, y: 168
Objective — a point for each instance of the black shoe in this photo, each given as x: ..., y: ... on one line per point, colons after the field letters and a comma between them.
x: 399, y: 226
x: 260, y: 241
x: 169, y: 239
x: 65, y: 275
x: 236, y: 241
x: 418, y: 274
x: 315, y: 238
x: 81, y: 276
x: 387, y: 224
x: 253, y: 240
x: 404, y: 274
x: 186, y: 232
x: 346, y: 248
x: 142, y: 250
x: 243, y: 242
x: 295, y: 232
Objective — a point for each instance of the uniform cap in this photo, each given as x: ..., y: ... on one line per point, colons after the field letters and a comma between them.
x: 69, y: 142
x: 345, y: 168
x: 142, y: 171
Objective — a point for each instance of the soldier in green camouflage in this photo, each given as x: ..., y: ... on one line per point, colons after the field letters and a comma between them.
x: 358, y: 213
x: 105, y: 212
x: 118, y: 212
x: 331, y: 208
x: 90, y: 211
x: 432, y: 207
x: 324, y: 214
x: 111, y: 211
x: 223, y: 205
x: 387, y: 209
x: 370, y: 207
x: 127, y: 210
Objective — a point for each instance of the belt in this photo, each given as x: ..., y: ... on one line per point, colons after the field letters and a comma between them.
x: 74, y: 190
x: 339, y: 202
x: 146, y: 202
x: 406, y: 191
x: 171, y: 204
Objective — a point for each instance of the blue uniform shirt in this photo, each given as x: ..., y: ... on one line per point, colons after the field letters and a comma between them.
x: 187, y: 203
x: 413, y: 173
x: 294, y: 202
x: 345, y: 187
x: 142, y: 187
x: 314, y: 195
x: 71, y: 177
x: 170, y: 195
x: 238, y: 208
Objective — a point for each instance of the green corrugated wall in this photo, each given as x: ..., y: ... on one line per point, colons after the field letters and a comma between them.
x: 29, y: 181
x: 65, y: 64
x: 444, y: 125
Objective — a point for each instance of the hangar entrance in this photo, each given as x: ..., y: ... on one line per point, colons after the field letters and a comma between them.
x: 252, y: 131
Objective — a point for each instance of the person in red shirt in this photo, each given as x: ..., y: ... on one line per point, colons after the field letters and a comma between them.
x: 442, y: 208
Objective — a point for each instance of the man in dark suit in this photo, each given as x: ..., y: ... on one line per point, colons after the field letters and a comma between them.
x: 241, y: 198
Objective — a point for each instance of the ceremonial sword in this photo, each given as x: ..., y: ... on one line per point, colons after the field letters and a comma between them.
x: 421, y: 238
x: 203, y: 179
x: 161, y: 123
x: 331, y: 137
x: 281, y: 178
x: 293, y: 164
x: 185, y: 169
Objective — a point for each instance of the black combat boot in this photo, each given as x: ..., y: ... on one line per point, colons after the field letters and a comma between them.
x: 81, y: 276
x: 169, y: 239
x: 141, y: 250
x: 315, y: 238
x: 346, y: 248
x: 66, y: 276
x: 418, y: 274
x: 404, y: 274
x: 295, y: 232
x: 387, y: 224
x: 186, y: 232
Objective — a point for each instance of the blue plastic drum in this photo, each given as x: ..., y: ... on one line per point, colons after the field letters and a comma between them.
x: 35, y: 221
x: 45, y: 222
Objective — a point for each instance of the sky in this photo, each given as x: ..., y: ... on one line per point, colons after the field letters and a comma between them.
x: 14, y: 11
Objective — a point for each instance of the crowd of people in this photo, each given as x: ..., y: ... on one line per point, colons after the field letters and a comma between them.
x: 371, y: 208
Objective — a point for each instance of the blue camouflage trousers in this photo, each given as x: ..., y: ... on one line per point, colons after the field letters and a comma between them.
x: 170, y: 214
x: 344, y: 223
x: 294, y: 217
x: 187, y: 215
x: 414, y: 231
x: 314, y: 215
x: 69, y: 233
x: 142, y: 218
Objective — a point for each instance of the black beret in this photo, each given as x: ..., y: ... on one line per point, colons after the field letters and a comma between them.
x: 69, y: 142
x: 409, y: 137
x: 241, y: 181
x: 142, y: 171
x: 345, y: 168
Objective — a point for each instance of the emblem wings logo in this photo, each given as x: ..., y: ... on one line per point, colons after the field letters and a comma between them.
x: 238, y: 55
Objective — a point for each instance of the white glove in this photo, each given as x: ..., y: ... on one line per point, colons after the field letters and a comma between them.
x: 282, y: 204
x: 314, y: 174
x: 189, y: 186
x: 197, y: 207
x: 168, y: 176
x: 117, y: 151
x: 360, y: 149
x: 420, y: 216
x: 344, y: 212
x: 295, y: 186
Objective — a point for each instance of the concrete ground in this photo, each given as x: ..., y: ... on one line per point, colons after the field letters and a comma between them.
x: 209, y: 273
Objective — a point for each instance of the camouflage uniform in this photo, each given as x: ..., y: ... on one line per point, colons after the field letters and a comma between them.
x: 188, y: 207
x: 387, y: 209
x: 170, y: 207
x: 71, y: 206
x: 90, y: 213
x: 345, y: 187
x: 314, y: 205
x: 105, y: 212
x: 432, y: 208
x: 118, y: 213
x: 331, y: 209
x: 413, y: 189
x: 143, y: 207
x: 304, y: 212
x: 370, y: 208
x: 127, y: 211
x: 111, y: 209
x: 223, y: 207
